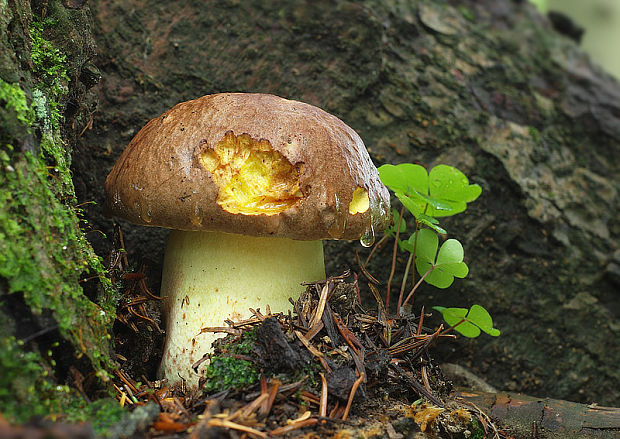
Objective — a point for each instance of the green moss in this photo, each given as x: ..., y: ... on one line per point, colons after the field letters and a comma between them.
x: 245, y: 344
x: 101, y: 414
x: 310, y: 372
x: 467, y: 13
x: 225, y: 371
x: 26, y: 385
x: 28, y: 389
x: 50, y: 65
x: 229, y: 373
x: 477, y: 432
x: 14, y: 99
x: 47, y: 270
x: 534, y: 134
x: 43, y: 251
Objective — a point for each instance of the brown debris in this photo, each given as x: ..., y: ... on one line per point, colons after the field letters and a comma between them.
x: 132, y: 311
x: 349, y: 350
x: 316, y: 365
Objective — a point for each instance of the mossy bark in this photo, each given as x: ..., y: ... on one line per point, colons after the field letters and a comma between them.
x: 48, y: 324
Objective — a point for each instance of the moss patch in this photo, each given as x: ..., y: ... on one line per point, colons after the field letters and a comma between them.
x: 28, y: 389
x: 26, y: 385
x: 15, y: 102
x: 101, y: 414
x: 50, y: 65
x: 47, y: 270
x: 44, y: 254
x: 227, y: 371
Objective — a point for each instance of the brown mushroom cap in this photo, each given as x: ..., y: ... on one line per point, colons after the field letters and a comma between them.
x: 162, y: 177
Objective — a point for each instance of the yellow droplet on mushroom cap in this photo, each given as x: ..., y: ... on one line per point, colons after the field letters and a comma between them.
x: 360, y: 202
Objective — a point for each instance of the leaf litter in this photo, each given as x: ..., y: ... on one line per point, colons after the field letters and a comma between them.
x: 316, y: 371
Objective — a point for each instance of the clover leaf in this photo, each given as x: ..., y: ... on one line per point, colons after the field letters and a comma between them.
x: 451, y: 187
x: 414, y: 207
x: 444, y: 265
x: 444, y: 191
x: 470, y: 322
x: 405, y: 178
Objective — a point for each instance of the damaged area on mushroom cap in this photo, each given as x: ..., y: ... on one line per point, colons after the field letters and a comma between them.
x: 252, y: 177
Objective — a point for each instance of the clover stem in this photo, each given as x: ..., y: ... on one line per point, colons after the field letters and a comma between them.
x: 445, y: 331
x: 415, y: 246
x: 393, y: 269
x: 411, y: 258
x: 415, y: 287
x: 404, y: 282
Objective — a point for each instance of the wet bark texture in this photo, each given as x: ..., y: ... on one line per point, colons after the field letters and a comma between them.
x: 487, y: 86
x: 528, y: 417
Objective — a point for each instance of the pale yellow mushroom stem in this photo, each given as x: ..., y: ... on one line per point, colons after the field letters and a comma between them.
x: 212, y: 276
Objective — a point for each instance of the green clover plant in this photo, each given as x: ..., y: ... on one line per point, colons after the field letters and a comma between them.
x: 439, y: 267
x: 468, y: 322
x: 427, y: 196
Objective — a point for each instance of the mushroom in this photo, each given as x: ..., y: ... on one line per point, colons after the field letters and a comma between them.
x: 250, y: 185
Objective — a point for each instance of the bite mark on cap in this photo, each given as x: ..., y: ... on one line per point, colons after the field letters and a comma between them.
x: 253, y: 178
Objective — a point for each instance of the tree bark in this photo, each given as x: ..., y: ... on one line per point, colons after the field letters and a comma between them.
x: 48, y: 326
x: 545, y: 418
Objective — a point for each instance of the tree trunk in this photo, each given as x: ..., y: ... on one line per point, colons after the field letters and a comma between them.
x: 47, y: 323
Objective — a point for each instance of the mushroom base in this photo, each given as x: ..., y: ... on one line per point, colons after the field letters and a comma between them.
x: 212, y: 276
